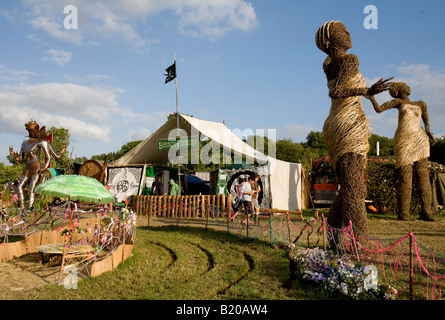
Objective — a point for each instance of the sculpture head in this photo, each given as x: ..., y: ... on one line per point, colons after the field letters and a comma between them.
x: 35, y: 131
x: 333, y: 38
x: 399, y: 90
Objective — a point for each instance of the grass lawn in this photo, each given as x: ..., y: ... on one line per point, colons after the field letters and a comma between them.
x: 192, y: 262
x: 188, y: 263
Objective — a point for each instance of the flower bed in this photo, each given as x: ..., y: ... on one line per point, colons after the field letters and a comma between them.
x: 339, y: 276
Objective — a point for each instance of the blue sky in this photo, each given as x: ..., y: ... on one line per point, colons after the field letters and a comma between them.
x: 251, y: 63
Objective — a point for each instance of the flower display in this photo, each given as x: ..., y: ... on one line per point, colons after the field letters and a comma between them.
x: 334, y: 275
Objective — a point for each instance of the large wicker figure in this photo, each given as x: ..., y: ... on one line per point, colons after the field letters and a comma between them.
x: 30, y: 153
x: 346, y: 131
x: 411, y: 146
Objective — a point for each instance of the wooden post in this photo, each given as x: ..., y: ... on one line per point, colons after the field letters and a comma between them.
x: 159, y: 200
x: 270, y: 226
x: 288, y: 227
x: 223, y: 204
x: 164, y: 206
x: 353, y: 241
x: 324, y: 231
x: 218, y: 204
x: 150, y: 207
x: 229, y: 205
x: 212, y: 204
x: 208, y: 213
x: 203, y: 209
x: 247, y: 222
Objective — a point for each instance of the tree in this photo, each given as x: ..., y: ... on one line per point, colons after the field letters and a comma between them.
x: 315, y: 140
x: 438, y: 151
x: 289, y: 151
x: 12, y: 173
x: 386, y: 145
x: 126, y: 148
x: 61, y: 138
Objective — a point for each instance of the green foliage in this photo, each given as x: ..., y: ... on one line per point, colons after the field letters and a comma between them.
x: 381, y: 182
x: 438, y: 151
x: 12, y: 173
x: 386, y: 145
x: 126, y: 148
x: 305, y: 152
x: 61, y: 138
x: 315, y: 140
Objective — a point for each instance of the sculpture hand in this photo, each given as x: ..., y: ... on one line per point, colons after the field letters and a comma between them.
x: 379, y: 86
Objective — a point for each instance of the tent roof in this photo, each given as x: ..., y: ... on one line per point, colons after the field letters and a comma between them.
x: 147, y: 151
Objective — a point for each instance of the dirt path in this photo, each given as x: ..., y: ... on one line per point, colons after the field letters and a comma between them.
x: 25, y: 273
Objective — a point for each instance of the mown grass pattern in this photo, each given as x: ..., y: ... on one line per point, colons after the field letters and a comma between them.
x: 188, y: 263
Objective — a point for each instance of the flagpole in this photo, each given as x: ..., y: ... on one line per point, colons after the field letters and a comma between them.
x: 177, y: 127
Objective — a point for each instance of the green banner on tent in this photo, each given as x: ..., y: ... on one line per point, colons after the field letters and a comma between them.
x: 191, y: 142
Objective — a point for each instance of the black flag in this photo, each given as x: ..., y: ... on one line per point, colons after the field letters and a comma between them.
x: 171, y: 73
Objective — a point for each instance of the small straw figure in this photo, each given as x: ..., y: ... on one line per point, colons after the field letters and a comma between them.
x: 345, y: 130
x: 411, y: 146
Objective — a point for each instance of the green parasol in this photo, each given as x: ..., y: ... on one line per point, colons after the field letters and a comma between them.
x: 75, y: 187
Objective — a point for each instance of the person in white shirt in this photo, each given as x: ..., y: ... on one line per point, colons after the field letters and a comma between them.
x: 247, y: 192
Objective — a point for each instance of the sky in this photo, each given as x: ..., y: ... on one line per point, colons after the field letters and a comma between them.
x: 96, y: 67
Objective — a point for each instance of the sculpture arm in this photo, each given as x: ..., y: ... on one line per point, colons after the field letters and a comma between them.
x: 387, y: 105
x: 54, y: 153
x: 16, y: 156
x: 425, y: 118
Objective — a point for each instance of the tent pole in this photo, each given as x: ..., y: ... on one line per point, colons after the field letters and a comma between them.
x: 177, y: 130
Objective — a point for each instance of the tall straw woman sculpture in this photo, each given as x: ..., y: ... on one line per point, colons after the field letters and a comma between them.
x: 411, y: 146
x: 345, y: 130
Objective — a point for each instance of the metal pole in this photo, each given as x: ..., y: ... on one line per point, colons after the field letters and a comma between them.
x: 411, y: 266
x: 177, y: 129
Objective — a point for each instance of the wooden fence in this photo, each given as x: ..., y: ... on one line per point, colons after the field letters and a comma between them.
x: 186, y: 206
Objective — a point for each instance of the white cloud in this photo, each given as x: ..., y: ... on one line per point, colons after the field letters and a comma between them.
x: 85, y: 111
x: 10, y: 75
x: 117, y: 20
x: 60, y: 57
x: 92, y: 114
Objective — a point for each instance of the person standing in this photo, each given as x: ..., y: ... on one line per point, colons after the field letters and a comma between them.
x: 254, y: 186
x: 157, y: 188
x: 174, y: 188
x: 247, y: 192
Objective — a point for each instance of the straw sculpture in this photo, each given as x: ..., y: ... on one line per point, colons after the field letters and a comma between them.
x: 30, y: 154
x: 411, y: 147
x: 345, y: 130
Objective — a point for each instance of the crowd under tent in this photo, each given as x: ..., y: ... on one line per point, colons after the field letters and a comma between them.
x: 283, y: 178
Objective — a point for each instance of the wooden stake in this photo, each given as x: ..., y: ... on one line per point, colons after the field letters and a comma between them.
x: 288, y: 227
